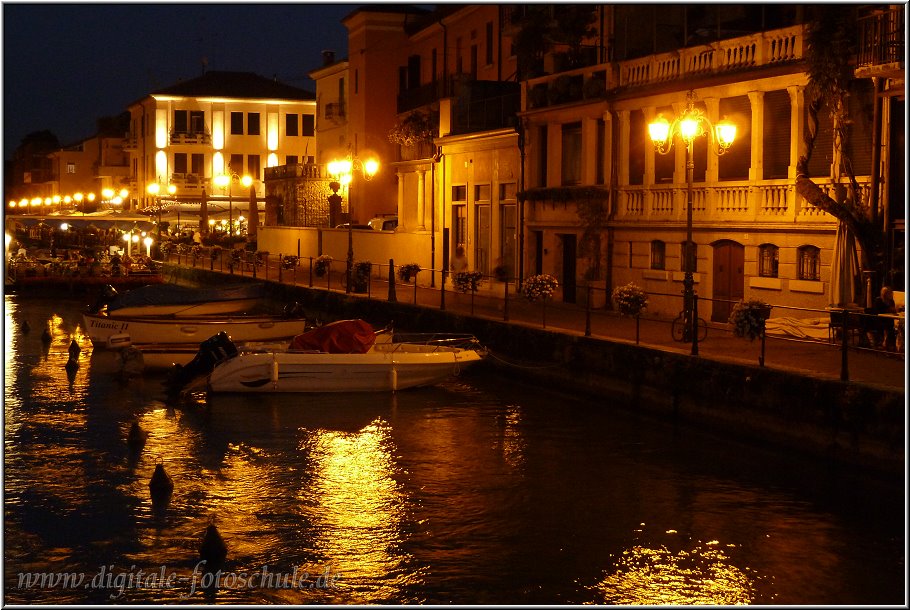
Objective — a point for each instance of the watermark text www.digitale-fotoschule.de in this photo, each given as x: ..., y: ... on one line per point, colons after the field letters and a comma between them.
x: 119, y: 582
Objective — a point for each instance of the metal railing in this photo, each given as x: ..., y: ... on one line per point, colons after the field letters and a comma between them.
x: 496, y: 299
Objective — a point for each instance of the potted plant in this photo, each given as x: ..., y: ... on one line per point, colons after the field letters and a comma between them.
x: 360, y: 276
x: 539, y: 287
x: 406, y: 272
x: 322, y: 265
x: 467, y: 280
x: 289, y: 262
x: 748, y: 318
x: 630, y: 300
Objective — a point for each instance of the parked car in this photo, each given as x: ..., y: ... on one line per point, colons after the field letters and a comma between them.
x: 384, y: 223
x: 354, y: 226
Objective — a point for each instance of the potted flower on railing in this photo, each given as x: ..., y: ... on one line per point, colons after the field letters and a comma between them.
x: 289, y: 262
x: 467, y: 280
x: 406, y: 272
x: 322, y: 264
x: 540, y: 287
x: 631, y: 300
x: 360, y: 276
x: 748, y: 318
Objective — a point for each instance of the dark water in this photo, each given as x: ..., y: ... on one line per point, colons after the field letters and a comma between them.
x: 475, y: 491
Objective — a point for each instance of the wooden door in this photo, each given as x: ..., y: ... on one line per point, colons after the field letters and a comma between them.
x: 728, y: 277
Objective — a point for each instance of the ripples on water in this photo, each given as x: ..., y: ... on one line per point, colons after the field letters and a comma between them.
x: 476, y: 491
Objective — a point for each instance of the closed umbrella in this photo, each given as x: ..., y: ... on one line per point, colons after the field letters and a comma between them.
x: 844, y: 268
x: 253, y: 226
x: 204, y: 214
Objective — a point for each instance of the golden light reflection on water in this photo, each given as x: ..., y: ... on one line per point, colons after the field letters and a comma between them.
x: 702, y: 574
x: 357, y: 507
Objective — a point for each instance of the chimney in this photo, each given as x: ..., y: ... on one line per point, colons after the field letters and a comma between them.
x: 328, y: 58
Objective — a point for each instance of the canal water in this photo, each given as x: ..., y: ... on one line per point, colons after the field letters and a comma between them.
x: 477, y: 491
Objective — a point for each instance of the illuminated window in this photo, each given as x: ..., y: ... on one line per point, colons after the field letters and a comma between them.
x: 70, y: 168
x: 767, y: 260
x: 807, y: 263
x: 658, y: 254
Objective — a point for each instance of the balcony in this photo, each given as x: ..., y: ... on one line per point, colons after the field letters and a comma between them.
x: 306, y: 171
x: 335, y: 110
x: 881, y: 44
x: 486, y: 105
x: 190, y: 137
x: 763, y: 49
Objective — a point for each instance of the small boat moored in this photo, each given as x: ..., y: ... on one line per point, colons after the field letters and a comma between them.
x: 106, y: 332
x: 345, y: 356
x: 178, y: 301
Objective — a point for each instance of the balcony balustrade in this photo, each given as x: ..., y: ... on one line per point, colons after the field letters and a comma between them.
x: 769, y: 48
x: 186, y: 137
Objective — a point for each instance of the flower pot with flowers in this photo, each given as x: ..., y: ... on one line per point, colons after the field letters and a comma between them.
x: 467, y: 280
x: 360, y: 276
x: 406, y: 272
x: 631, y: 300
x: 540, y: 288
x: 322, y: 264
x: 748, y: 318
x: 289, y: 262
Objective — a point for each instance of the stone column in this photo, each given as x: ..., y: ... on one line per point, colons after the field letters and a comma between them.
x: 400, y: 200
x: 421, y: 200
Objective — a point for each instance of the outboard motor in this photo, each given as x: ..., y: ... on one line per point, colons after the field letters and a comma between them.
x: 293, y: 310
x: 106, y: 297
x: 212, y: 351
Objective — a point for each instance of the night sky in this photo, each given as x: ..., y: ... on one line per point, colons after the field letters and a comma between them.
x: 65, y: 65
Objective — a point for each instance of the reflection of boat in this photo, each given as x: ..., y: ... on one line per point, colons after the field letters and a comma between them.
x: 339, y: 357
x: 180, y: 301
x: 105, y: 331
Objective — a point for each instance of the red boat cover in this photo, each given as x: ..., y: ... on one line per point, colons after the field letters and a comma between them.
x: 342, y: 337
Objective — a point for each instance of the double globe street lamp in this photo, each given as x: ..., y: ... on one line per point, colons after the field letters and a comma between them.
x: 690, y: 124
x: 343, y: 171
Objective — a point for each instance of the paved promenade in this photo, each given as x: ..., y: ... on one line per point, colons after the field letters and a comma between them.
x: 816, y: 358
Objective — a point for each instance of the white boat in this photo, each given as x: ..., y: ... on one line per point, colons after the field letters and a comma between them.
x: 179, y: 301
x: 395, y: 362
x: 108, y: 332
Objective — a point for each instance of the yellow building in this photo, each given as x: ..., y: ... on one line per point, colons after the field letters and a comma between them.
x: 220, y: 124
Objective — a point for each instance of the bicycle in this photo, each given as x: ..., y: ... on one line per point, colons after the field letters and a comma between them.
x: 679, y: 328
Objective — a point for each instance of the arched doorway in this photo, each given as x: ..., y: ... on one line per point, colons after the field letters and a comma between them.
x: 728, y: 277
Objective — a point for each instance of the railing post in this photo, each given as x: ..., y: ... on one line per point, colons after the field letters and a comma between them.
x: 392, y: 296
x: 280, y: 265
x: 588, y: 311
x: 761, y: 358
x: 442, y: 292
x: 694, y: 325
x: 505, y: 302
x: 311, y: 264
x: 415, y: 287
x: 844, y: 371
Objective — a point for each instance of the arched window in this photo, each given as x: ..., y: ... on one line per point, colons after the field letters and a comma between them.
x: 808, y: 263
x: 658, y: 254
x: 767, y: 260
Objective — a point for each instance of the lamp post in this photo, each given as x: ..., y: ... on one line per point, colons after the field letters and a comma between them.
x: 690, y: 124
x: 227, y: 180
x: 343, y: 171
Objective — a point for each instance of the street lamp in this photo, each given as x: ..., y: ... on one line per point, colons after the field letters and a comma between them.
x: 691, y: 124
x: 343, y: 171
x: 227, y: 180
